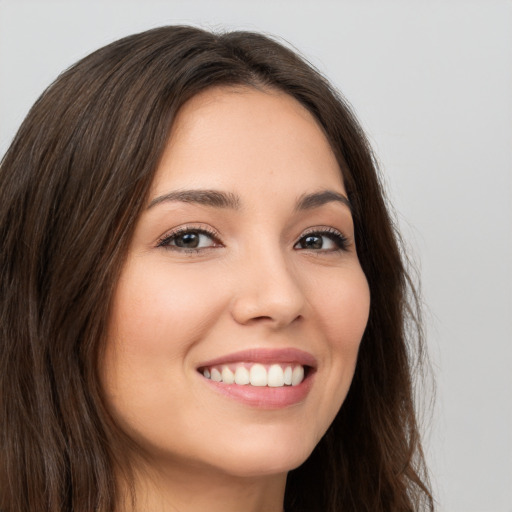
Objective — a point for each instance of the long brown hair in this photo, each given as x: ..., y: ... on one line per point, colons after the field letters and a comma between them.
x: 72, y: 186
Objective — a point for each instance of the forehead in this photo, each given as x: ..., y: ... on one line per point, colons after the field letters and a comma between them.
x: 236, y: 136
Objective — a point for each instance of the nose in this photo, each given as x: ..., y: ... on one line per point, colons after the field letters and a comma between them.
x: 267, y: 291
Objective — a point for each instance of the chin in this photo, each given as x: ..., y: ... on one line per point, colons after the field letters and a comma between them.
x: 263, y: 455
x: 259, y: 466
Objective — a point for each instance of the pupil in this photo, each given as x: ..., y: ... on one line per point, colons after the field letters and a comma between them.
x: 312, y: 242
x: 189, y: 240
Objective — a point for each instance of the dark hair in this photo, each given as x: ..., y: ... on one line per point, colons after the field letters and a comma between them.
x: 72, y: 186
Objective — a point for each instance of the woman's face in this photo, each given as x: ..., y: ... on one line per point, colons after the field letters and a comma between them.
x: 242, y: 268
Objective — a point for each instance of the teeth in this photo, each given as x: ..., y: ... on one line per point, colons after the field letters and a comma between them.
x: 216, y: 375
x: 288, y: 376
x: 242, y: 376
x: 227, y: 375
x: 274, y: 376
x: 297, y: 375
x: 258, y: 375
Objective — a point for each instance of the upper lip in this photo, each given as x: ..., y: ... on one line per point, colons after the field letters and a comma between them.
x: 265, y: 356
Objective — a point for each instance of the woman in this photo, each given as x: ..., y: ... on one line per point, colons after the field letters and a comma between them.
x: 203, y: 299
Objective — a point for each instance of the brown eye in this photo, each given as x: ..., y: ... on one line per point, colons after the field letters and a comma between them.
x: 311, y: 242
x: 331, y: 240
x: 189, y: 239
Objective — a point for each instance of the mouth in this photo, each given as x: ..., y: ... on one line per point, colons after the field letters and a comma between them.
x: 276, y: 375
x: 262, y: 378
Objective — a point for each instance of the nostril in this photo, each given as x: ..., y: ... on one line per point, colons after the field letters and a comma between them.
x: 268, y: 299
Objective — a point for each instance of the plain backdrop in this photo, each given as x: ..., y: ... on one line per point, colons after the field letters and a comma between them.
x: 432, y: 84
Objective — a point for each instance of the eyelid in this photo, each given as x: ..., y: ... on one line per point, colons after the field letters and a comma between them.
x: 197, y: 228
x: 338, y: 237
x: 322, y: 229
x: 342, y: 241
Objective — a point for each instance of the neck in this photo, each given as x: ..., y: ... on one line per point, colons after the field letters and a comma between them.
x: 193, y: 489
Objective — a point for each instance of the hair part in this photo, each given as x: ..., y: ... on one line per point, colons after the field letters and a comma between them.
x: 72, y: 186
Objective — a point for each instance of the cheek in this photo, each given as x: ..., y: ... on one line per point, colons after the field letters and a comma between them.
x: 343, y: 314
x: 343, y: 308
x: 156, y: 310
x: 339, y: 301
x: 156, y: 321
x: 157, y: 318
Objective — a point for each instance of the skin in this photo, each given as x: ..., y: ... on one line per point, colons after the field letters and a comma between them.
x: 253, y: 285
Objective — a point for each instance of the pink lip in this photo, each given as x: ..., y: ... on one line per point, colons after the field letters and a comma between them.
x: 265, y: 356
x: 265, y: 397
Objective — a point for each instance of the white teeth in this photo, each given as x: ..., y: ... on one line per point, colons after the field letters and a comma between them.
x: 275, y: 376
x: 242, y: 376
x: 297, y: 375
x: 288, y: 375
x: 227, y: 375
x: 258, y: 375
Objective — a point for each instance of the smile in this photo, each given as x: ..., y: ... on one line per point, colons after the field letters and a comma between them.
x: 246, y: 374
x: 262, y: 378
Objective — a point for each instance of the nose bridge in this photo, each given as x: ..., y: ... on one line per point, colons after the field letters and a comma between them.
x: 268, y: 288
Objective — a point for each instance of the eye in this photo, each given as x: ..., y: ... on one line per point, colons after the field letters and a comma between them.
x: 189, y: 239
x: 323, y: 240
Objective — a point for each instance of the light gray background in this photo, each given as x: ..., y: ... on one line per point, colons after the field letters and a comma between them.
x: 432, y: 84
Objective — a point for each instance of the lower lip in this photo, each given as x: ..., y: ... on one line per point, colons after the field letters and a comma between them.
x: 264, y: 397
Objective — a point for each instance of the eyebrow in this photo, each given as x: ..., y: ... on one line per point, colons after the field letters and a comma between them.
x: 204, y: 197
x: 317, y: 199
x: 229, y: 200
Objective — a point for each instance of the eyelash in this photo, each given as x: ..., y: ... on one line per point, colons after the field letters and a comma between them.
x: 166, y: 240
x: 341, y: 241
